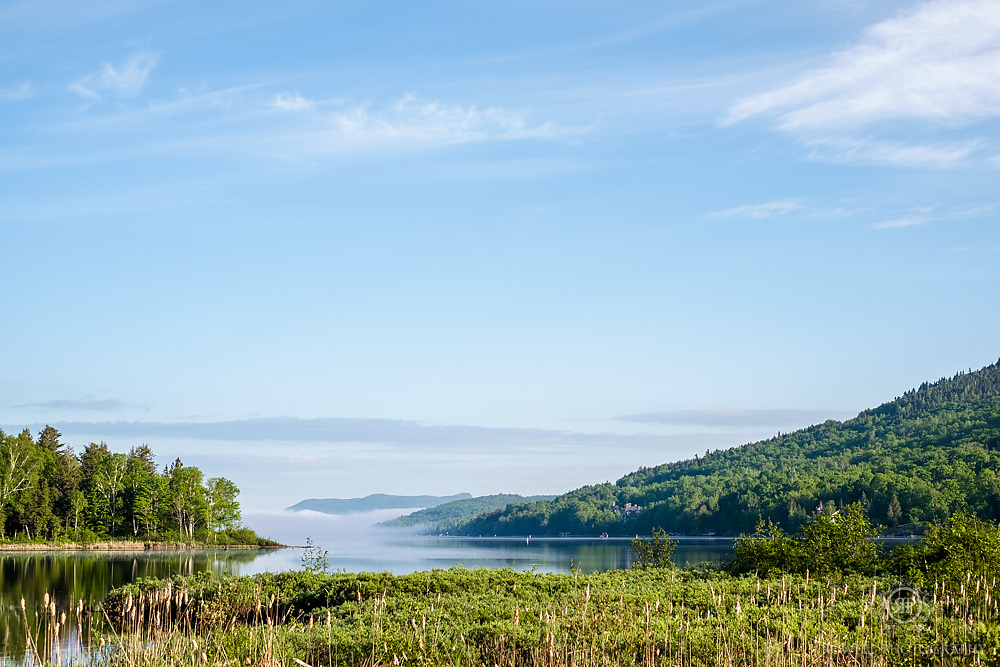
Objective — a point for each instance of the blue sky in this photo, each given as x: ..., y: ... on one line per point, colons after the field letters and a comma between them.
x: 331, y: 249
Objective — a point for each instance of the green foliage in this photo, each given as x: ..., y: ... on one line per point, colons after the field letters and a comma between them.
x: 836, y: 542
x: 501, y: 617
x: 443, y: 518
x: 49, y: 493
x: 653, y: 553
x: 962, y: 548
x: 766, y: 551
x: 314, y: 558
x: 920, y: 458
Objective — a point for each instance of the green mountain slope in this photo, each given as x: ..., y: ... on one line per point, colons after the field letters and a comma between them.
x: 445, y: 517
x: 930, y: 452
x: 376, y: 501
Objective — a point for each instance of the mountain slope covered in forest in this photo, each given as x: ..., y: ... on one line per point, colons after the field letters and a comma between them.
x: 445, y: 517
x: 375, y: 501
x: 930, y: 452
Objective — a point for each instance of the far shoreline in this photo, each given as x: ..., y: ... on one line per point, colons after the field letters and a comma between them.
x: 133, y: 546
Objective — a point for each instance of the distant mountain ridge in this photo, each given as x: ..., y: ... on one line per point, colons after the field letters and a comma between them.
x: 375, y: 501
x: 443, y: 518
x: 928, y: 453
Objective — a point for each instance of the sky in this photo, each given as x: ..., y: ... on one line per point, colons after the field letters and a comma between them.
x: 327, y: 249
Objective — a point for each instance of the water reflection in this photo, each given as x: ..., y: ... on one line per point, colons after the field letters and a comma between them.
x: 42, y: 594
x: 55, y: 586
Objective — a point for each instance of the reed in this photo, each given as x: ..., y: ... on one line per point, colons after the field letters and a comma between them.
x: 503, y: 618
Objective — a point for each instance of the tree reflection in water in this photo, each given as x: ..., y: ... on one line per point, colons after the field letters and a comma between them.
x: 42, y: 595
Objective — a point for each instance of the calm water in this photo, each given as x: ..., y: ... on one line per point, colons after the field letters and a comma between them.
x: 355, y: 545
x: 68, y: 578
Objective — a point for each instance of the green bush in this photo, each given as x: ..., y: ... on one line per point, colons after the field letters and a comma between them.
x: 961, y: 548
x: 655, y: 552
x: 767, y: 550
x: 840, y: 542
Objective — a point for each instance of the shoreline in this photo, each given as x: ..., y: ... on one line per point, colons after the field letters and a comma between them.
x: 134, y: 546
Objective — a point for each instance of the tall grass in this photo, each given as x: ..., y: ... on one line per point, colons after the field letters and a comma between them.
x: 503, y: 618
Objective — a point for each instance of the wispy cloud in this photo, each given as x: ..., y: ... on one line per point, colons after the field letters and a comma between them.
x: 937, y: 61
x: 247, y: 120
x: 291, y: 102
x: 126, y: 80
x: 17, y: 93
x: 99, y: 405
x: 414, y: 120
x: 940, y: 155
x: 934, y: 63
x: 353, y: 430
x: 926, y: 214
x: 900, y: 222
x: 759, y: 211
x: 737, y: 418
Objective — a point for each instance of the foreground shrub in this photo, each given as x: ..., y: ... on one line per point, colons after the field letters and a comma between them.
x: 839, y: 542
x: 961, y: 549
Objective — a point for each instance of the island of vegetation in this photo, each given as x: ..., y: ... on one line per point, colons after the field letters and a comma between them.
x: 443, y: 518
x: 922, y: 457
x: 51, y: 497
x: 375, y: 501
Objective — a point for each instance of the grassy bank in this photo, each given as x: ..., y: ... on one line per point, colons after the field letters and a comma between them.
x: 501, y: 617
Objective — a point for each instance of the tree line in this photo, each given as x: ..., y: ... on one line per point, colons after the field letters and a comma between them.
x: 48, y: 492
x: 923, y: 457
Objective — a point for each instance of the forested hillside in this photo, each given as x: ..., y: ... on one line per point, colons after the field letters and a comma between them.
x: 444, y: 517
x: 375, y: 501
x: 49, y: 492
x: 933, y: 451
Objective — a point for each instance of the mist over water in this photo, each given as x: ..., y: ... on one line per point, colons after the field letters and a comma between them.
x: 355, y: 544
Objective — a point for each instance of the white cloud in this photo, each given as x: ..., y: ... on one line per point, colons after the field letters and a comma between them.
x: 290, y: 102
x: 926, y: 214
x: 17, y: 93
x: 411, y: 119
x: 941, y: 155
x: 759, y: 211
x: 124, y: 81
x: 900, y: 222
x: 936, y: 63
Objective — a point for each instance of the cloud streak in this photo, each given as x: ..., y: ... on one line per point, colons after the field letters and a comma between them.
x: 413, y: 121
x: 98, y: 405
x: 736, y: 418
x: 126, y: 80
x: 937, y: 61
x: 17, y: 93
x: 925, y: 215
x: 759, y: 211
x: 335, y: 430
x: 935, y: 64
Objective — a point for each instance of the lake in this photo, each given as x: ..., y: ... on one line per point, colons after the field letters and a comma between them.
x: 355, y: 544
x: 66, y: 579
